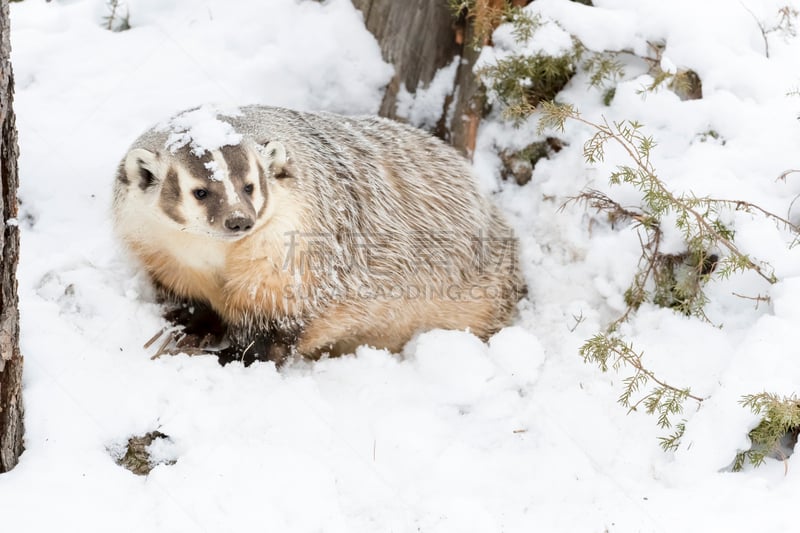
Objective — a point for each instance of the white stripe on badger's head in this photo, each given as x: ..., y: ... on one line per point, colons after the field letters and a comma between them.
x: 222, y: 174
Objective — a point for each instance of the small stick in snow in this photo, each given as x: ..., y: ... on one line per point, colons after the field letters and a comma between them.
x: 758, y: 298
x: 162, y: 349
x: 154, y: 338
x: 786, y: 173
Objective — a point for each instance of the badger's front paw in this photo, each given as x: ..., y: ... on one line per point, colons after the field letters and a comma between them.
x: 263, y: 347
x: 195, y: 329
x: 196, y: 320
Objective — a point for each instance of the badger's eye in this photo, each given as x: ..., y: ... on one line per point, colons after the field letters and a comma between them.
x: 200, y: 194
x: 248, y: 189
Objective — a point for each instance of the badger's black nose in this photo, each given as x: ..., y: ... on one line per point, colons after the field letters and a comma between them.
x: 239, y: 223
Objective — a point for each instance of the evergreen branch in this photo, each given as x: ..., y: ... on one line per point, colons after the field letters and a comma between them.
x: 601, y: 348
x: 672, y: 442
x: 678, y: 279
x: 659, y: 198
x: 780, y: 416
x: 663, y: 400
x: 747, y: 207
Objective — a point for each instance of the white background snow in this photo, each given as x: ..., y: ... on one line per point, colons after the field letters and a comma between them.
x: 453, y: 435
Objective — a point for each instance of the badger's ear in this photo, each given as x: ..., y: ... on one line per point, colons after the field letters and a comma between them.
x: 275, y: 154
x: 141, y: 168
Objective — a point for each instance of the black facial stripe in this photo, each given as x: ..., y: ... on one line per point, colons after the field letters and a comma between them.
x: 245, y: 199
x: 237, y: 161
x: 171, y: 197
x: 197, y: 165
x: 214, y: 208
x: 213, y: 204
x: 216, y: 203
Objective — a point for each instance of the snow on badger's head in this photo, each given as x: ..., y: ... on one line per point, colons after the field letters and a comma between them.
x: 196, y: 173
x: 203, y: 129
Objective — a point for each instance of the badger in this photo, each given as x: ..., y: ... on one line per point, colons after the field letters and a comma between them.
x: 330, y: 231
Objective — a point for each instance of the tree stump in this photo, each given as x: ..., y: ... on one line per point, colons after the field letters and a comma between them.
x: 11, y: 428
x: 419, y: 37
x: 416, y: 36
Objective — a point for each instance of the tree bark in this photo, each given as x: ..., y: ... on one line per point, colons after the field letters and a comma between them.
x: 11, y: 428
x: 469, y: 101
x: 416, y: 36
x: 419, y: 37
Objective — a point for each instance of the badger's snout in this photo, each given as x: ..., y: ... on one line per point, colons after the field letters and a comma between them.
x: 238, y: 223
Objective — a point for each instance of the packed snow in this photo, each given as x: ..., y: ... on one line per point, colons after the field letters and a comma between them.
x: 453, y: 434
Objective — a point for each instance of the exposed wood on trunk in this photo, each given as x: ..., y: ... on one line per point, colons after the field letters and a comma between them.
x: 470, y: 100
x: 419, y: 37
x: 11, y: 428
x: 468, y: 103
x: 416, y: 36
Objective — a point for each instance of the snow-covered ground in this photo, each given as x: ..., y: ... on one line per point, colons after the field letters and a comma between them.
x: 453, y: 435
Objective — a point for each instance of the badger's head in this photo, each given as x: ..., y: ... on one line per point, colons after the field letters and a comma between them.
x: 222, y: 194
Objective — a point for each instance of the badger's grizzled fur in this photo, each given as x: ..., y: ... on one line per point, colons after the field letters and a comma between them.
x: 338, y: 231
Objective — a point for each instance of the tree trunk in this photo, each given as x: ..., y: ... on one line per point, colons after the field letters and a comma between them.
x: 11, y: 428
x: 419, y: 37
x: 416, y: 36
x: 469, y: 102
